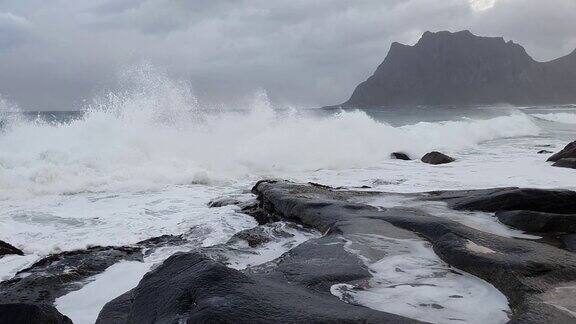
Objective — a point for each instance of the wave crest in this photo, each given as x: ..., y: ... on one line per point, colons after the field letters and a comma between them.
x: 154, y: 133
x: 565, y: 118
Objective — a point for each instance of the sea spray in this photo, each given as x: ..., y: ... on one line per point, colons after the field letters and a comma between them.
x: 565, y: 118
x: 153, y: 133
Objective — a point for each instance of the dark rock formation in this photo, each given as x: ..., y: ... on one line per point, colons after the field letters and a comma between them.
x: 117, y: 310
x: 545, y: 152
x: 259, y: 214
x: 508, y: 199
x: 6, y: 249
x: 538, y: 222
x: 569, y: 242
x: 568, y: 152
x: 192, y: 288
x: 164, y: 240
x: 437, y: 158
x: 260, y: 235
x: 527, y: 272
x: 566, y: 163
x: 400, y: 156
x: 31, y: 314
x: 459, y: 68
x: 58, y: 274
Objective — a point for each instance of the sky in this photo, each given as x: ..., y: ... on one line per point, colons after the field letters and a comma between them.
x: 56, y: 55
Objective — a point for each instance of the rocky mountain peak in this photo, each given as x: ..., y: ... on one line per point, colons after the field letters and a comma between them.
x: 462, y: 68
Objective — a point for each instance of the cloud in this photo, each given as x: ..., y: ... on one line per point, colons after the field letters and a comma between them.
x: 13, y: 29
x: 481, y: 5
x: 303, y: 52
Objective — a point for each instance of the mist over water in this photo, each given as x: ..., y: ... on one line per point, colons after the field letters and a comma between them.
x: 153, y: 133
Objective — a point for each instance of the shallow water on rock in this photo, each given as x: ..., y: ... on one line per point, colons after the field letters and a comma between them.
x: 485, y: 222
x: 412, y: 281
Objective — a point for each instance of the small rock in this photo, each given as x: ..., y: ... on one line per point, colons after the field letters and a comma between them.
x: 437, y: 158
x: 566, y: 163
x: 6, y: 249
x: 432, y: 305
x: 400, y: 156
x: 568, y: 152
x: 544, y: 152
x: 258, y: 235
x: 223, y: 201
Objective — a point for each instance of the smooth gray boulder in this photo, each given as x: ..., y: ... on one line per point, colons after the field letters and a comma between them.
x: 437, y: 158
x: 569, y: 163
x: 568, y: 152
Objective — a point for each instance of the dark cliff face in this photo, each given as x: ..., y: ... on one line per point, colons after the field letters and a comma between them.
x: 460, y: 68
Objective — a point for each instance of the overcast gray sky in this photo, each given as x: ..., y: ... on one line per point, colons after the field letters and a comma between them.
x: 54, y: 54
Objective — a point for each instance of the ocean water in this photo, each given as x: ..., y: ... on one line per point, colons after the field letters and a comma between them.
x: 145, y: 161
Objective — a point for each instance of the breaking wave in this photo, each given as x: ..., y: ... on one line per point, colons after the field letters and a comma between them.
x: 566, y: 118
x: 154, y: 133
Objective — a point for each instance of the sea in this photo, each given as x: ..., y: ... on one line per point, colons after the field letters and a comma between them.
x: 142, y: 163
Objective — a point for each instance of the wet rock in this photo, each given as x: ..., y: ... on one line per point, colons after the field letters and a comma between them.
x: 259, y: 214
x: 568, y: 152
x: 527, y: 272
x: 400, y: 156
x: 568, y: 242
x: 117, y: 310
x: 437, y: 158
x: 538, y: 222
x: 31, y: 314
x: 6, y: 249
x: 545, y: 152
x: 260, y: 235
x: 508, y: 199
x: 163, y: 240
x: 58, y: 274
x: 192, y: 288
x: 224, y: 201
x: 566, y: 163
x: 317, y: 264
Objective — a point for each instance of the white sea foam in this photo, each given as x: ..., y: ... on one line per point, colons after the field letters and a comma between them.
x: 566, y: 118
x: 84, y: 305
x: 485, y: 222
x: 144, y: 161
x: 154, y: 134
x: 411, y: 280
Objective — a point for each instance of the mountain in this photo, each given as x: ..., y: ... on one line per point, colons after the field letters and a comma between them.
x: 461, y: 68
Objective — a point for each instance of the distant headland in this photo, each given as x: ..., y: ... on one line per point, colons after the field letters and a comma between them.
x: 460, y: 68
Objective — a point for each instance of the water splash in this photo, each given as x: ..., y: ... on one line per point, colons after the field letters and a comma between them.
x: 152, y: 133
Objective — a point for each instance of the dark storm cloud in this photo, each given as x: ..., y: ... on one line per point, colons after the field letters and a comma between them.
x: 54, y: 54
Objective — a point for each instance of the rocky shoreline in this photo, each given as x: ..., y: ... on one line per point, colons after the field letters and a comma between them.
x: 538, y: 277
